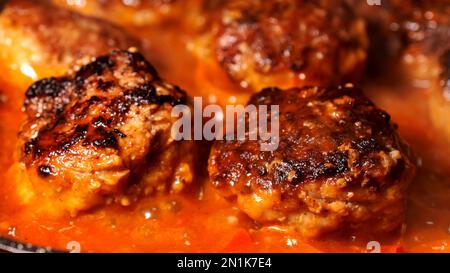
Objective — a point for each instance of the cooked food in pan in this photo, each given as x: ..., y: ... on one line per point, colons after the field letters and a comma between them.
x: 138, y: 126
x: 141, y: 13
x: 41, y: 40
x: 340, y: 165
x: 101, y: 135
x: 285, y: 43
x: 415, y: 34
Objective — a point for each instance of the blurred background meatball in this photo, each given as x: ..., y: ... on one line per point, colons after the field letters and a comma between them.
x: 395, y: 25
x: 101, y: 135
x: 139, y: 12
x: 412, y: 39
x: 284, y: 43
x: 340, y: 165
x: 40, y: 40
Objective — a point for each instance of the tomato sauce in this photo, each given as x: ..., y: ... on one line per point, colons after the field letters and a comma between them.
x: 200, y: 220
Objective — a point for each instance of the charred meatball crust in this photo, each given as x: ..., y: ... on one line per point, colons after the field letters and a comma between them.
x: 47, y: 39
x: 101, y: 135
x: 286, y: 43
x: 340, y: 165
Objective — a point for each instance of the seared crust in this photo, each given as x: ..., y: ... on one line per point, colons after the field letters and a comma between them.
x: 102, y: 132
x: 286, y: 43
x: 340, y: 165
x: 50, y: 39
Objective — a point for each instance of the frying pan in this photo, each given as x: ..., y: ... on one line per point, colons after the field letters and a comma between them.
x: 7, y: 245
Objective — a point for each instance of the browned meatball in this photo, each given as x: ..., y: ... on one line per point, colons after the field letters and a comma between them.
x: 408, y: 18
x: 436, y: 72
x: 397, y: 24
x: 413, y: 37
x: 101, y: 135
x: 41, y: 40
x: 285, y: 43
x: 426, y: 59
x: 340, y: 165
x: 136, y: 12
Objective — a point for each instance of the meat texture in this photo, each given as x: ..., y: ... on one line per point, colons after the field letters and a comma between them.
x: 101, y: 135
x: 285, y: 43
x: 340, y: 166
x: 41, y: 40
x: 413, y: 37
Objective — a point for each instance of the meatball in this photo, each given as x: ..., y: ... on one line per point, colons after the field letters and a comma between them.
x: 413, y: 36
x: 425, y: 61
x: 420, y: 31
x: 397, y: 24
x: 41, y: 40
x: 101, y: 135
x: 439, y: 97
x: 340, y: 165
x: 285, y: 43
x: 135, y: 13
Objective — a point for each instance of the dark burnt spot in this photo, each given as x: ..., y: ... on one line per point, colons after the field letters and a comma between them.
x: 383, y: 115
x: 60, y: 121
x: 32, y: 148
x: 120, y: 105
x: 94, y: 99
x: 147, y: 94
x: 109, y: 141
x: 81, y: 129
x: 336, y: 163
x: 104, y: 85
x: 119, y: 133
x: 315, y: 167
x: 70, y: 141
x: 45, y: 170
x: 96, y: 67
x: 99, y: 122
x: 142, y: 95
x: 47, y: 87
x: 29, y: 146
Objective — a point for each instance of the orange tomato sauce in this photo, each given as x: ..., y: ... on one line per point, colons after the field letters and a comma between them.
x: 199, y: 220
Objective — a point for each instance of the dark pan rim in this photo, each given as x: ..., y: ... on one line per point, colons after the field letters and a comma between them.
x: 13, y: 246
